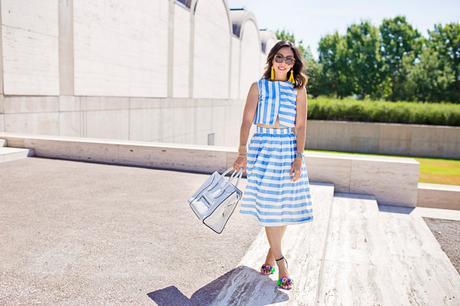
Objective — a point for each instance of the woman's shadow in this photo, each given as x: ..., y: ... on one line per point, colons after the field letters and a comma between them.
x: 240, y: 286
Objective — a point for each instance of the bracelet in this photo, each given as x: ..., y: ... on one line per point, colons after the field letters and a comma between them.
x: 242, y: 150
x: 298, y: 154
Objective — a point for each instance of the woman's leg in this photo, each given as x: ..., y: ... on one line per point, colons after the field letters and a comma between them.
x: 275, y: 236
x: 270, y: 259
x: 283, y: 231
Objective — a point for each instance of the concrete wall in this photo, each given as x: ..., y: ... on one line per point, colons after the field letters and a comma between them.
x: 182, y: 40
x: 2, y: 115
x: 269, y: 44
x: 121, y: 48
x: 235, y: 69
x: 250, y: 57
x: 212, y: 50
x: 126, y: 118
x: 263, y: 58
x: 384, y: 138
x: 142, y: 70
x: 30, y: 42
x: 268, y: 39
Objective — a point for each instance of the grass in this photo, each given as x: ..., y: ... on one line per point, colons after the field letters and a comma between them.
x: 432, y: 170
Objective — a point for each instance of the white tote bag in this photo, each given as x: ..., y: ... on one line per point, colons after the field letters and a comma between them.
x: 215, y: 201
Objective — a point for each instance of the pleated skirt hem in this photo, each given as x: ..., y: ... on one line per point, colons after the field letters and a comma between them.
x: 263, y: 223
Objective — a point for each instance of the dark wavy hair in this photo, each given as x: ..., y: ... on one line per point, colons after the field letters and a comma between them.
x: 300, y: 78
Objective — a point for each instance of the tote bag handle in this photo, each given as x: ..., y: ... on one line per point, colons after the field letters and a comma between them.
x: 238, y: 174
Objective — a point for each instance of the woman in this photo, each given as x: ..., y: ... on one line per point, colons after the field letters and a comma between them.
x: 277, y: 191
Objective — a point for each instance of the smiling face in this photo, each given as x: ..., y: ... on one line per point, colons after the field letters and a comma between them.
x: 281, y: 69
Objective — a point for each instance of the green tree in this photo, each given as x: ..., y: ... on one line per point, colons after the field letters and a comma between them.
x: 314, y: 73
x: 399, y: 42
x: 365, y: 61
x: 429, y: 79
x: 336, y: 74
x: 445, y: 40
x: 392, y: 61
x: 285, y: 35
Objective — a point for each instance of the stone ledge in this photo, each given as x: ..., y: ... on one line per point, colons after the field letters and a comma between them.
x: 9, y: 154
x: 438, y: 196
x: 392, y: 180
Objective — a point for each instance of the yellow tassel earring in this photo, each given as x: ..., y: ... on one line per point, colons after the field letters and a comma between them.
x: 272, y: 74
x: 291, y: 78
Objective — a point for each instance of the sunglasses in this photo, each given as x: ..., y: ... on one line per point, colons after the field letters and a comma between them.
x: 288, y: 60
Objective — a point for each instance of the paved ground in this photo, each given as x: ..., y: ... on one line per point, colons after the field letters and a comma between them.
x: 80, y: 233
x: 84, y: 233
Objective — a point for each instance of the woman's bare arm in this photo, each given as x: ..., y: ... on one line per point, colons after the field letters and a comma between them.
x: 248, y: 116
x: 300, y: 131
x: 301, y: 119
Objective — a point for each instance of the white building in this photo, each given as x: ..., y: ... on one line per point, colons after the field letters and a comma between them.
x: 151, y: 70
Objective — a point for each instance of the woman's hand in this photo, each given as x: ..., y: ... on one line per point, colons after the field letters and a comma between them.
x: 240, y: 162
x: 296, y: 169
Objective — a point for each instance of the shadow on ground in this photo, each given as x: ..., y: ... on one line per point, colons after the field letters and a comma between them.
x: 207, y: 294
x: 395, y: 209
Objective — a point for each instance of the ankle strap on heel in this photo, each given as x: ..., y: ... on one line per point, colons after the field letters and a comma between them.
x: 282, y: 257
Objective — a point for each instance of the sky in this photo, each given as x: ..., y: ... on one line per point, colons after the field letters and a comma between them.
x: 310, y: 20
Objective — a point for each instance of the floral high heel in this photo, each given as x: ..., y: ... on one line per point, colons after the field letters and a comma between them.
x: 284, y: 282
x: 267, y: 269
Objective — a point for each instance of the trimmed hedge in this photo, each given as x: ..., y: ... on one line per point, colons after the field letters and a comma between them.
x: 384, y: 111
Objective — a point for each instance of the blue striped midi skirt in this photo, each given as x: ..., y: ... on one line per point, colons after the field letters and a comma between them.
x: 270, y: 195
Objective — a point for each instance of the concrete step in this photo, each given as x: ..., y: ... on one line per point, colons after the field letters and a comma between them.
x: 9, y: 154
x: 387, y: 255
x: 2, y: 142
x: 303, y: 246
x: 355, y: 252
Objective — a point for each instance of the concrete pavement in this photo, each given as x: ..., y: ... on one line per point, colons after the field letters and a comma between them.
x: 85, y: 233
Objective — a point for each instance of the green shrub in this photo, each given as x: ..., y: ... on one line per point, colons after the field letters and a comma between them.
x: 384, y: 111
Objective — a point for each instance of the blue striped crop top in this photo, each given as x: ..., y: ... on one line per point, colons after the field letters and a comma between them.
x: 276, y: 98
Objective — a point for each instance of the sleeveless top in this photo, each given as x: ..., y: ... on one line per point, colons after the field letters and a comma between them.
x: 276, y: 98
